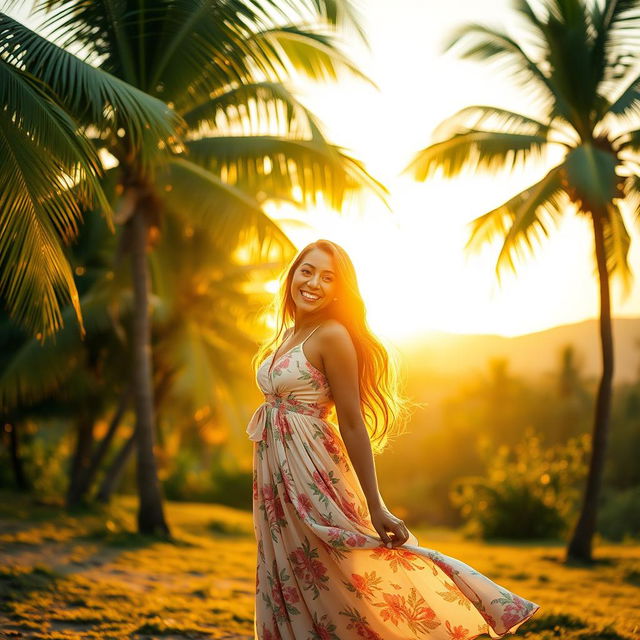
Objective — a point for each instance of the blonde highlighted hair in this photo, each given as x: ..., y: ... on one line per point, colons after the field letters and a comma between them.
x: 384, y: 408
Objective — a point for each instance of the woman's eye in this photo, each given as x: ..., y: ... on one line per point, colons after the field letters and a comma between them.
x: 328, y: 279
x: 305, y: 272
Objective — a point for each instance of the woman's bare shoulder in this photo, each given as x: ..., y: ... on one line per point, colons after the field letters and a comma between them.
x: 334, y: 334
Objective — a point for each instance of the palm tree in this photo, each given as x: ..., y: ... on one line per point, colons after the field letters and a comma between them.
x: 577, y: 63
x: 50, y: 170
x: 219, y: 65
x: 201, y: 360
x: 77, y: 377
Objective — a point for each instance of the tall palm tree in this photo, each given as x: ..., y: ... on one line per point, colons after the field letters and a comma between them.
x: 220, y: 66
x: 50, y: 170
x: 577, y: 64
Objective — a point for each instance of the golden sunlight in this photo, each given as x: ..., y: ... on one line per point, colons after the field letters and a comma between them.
x: 416, y: 276
x: 411, y: 262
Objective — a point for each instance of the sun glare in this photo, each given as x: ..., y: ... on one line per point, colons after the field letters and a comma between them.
x: 416, y: 276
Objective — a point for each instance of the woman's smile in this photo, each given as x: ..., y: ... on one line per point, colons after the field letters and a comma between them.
x: 307, y: 295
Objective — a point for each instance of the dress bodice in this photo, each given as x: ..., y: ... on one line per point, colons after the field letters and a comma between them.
x: 290, y: 384
x: 293, y: 374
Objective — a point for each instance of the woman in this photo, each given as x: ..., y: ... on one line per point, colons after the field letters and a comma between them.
x: 333, y: 562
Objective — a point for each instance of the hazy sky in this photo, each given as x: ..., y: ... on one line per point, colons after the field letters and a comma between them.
x: 410, y: 262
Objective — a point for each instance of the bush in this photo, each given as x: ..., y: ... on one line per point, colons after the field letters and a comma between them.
x: 619, y: 516
x: 190, y: 480
x: 528, y: 492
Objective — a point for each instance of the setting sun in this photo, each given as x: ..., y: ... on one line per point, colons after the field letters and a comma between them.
x: 416, y: 276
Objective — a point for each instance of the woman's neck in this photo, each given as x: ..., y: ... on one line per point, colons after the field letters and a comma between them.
x: 305, y: 321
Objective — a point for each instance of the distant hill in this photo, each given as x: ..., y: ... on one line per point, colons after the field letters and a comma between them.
x: 445, y: 354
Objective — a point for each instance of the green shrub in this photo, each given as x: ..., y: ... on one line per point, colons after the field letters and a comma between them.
x: 527, y: 493
x: 619, y: 515
x: 191, y: 481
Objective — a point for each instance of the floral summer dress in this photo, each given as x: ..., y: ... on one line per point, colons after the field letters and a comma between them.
x: 322, y: 571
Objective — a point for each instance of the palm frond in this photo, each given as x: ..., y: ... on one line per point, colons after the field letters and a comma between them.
x: 49, y: 171
x: 202, y: 32
x: 632, y: 194
x: 337, y: 13
x: 279, y: 166
x: 255, y: 108
x: 627, y: 105
x: 103, y: 29
x: 616, y: 246
x: 197, y: 274
x: 617, y: 26
x: 73, y: 161
x: 575, y: 65
x: 314, y: 55
x: 203, y: 200
x: 533, y: 21
x: 521, y: 221
x: 194, y: 270
x: 494, y: 118
x: 479, y: 42
x: 475, y: 149
x: 35, y: 370
x: 627, y: 141
x: 92, y: 96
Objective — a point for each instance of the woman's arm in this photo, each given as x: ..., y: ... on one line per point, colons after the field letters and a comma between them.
x: 341, y: 369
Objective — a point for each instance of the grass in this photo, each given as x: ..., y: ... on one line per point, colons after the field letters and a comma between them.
x: 87, y: 576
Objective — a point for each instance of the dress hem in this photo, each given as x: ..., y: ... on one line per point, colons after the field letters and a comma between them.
x: 511, y: 630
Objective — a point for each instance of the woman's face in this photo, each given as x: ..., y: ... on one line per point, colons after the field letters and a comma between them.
x: 313, y: 286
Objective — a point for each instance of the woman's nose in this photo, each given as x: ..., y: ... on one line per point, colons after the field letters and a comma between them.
x: 314, y: 281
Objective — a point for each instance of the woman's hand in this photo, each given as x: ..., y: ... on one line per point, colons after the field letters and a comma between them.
x: 391, y: 530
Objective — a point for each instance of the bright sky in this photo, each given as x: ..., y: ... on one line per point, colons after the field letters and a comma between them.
x: 412, y: 269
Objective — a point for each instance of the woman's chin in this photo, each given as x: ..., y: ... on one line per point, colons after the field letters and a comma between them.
x: 309, y: 307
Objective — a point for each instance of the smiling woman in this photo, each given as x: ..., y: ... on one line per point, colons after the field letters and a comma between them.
x: 333, y: 561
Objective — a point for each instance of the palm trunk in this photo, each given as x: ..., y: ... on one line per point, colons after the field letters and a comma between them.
x: 89, y: 474
x: 115, y: 470
x: 581, y: 542
x: 151, y: 518
x: 81, y: 459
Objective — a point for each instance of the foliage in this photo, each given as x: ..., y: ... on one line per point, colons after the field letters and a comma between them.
x: 623, y: 471
x: 528, y: 492
x: 191, y: 480
x: 619, y: 517
x: 464, y: 415
x: 50, y: 168
x: 46, y: 464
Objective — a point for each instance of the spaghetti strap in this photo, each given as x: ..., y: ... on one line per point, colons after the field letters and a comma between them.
x: 312, y: 332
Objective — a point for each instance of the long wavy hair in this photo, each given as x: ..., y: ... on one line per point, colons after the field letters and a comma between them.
x: 384, y: 408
